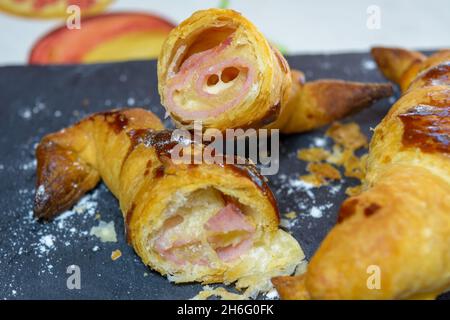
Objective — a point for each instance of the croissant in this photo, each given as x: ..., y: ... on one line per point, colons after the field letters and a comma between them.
x: 216, y: 67
x: 192, y: 222
x: 392, y: 241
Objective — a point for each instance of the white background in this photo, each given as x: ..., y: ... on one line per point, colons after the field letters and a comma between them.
x: 299, y: 26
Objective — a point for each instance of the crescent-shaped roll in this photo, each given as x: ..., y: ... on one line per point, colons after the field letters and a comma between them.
x: 216, y: 67
x: 392, y: 241
x: 192, y: 222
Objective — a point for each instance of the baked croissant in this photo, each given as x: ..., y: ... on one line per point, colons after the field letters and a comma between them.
x: 399, y: 226
x: 193, y: 222
x: 218, y: 68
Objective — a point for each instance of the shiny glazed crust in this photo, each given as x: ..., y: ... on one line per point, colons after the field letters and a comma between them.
x: 400, y: 223
x: 129, y: 150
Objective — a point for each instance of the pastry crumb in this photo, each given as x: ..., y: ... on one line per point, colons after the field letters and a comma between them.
x: 311, y: 179
x: 250, y: 287
x: 353, y: 165
x: 313, y: 154
x: 321, y: 162
x: 116, y: 254
x: 353, y: 191
x: 291, y: 215
x: 219, y: 292
x: 348, y: 135
x: 104, y: 231
x: 321, y: 174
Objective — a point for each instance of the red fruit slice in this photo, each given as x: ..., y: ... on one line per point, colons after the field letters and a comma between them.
x: 106, y: 37
x: 51, y: 8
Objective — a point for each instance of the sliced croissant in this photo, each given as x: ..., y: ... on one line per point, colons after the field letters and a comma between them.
x: 393, y: 240
x: 216, y: 67
x: 192, y: 222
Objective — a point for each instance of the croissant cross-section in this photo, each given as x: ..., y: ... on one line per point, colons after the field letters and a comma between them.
x: 216, y: 67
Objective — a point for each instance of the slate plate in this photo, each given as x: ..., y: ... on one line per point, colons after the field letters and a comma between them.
x: 37, y: 100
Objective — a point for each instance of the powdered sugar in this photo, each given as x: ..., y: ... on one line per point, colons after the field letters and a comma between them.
x: 42, y: 244
x: 31, y: 165
x: 315, y: 212
x: 25, y: 113
x: 131, y: 102
x: 288, y: 223
x: 368, y: 64
x: 28, y: 112
x: 335, y: 189
x: 272, y: 295
x: 46, y: 243
x: 319, y: 142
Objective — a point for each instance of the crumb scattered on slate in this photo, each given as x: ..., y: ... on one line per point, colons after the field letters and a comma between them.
x: 116, y: 254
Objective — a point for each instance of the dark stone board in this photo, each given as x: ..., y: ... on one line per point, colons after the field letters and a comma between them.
x: 36, y: 100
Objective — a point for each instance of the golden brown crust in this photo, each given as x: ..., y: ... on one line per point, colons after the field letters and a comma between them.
x: 129, y: 150
x: 427, y: 127
x: 385, y: 227
x: 67, y: 161
x: 394, y: 62
x: 403, y: 66
x: 227, y: 29
x: 320, y: 102
x: 291, y: 288
x: 400, y: 223
x: 62, y: 179
x: 277, y: 98
x: 432, y: 76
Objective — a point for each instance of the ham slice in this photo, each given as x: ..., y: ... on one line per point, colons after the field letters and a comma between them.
x: 193, y: 75
x: 231, y: 253
x: 166, y: 248
x: 178, y: 252
x: 162, y: 242
x: 163, y: 245
x: 229, y: 218
x: 181, y: 255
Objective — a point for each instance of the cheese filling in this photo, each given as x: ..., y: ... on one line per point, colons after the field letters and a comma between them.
x: 208, y: 229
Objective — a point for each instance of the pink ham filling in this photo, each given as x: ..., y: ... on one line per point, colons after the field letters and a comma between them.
x: 196, y: 70
x: 231, y: 253
x: 228, y: 219
x: 171, y: 251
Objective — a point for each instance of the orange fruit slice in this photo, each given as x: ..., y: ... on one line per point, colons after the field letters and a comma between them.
x: 45, y: 9
x: 103, y: 38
